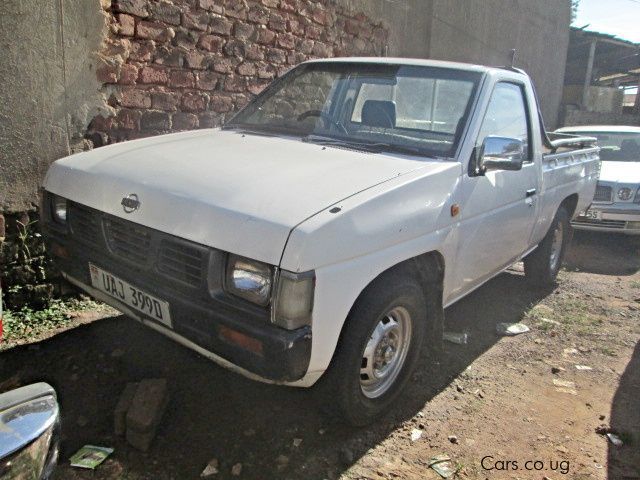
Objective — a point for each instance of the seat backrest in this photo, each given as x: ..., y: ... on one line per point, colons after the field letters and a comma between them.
x: 379, y: 113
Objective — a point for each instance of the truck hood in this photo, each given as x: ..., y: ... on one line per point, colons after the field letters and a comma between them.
x: 620, y: 172
x: 241, y: 193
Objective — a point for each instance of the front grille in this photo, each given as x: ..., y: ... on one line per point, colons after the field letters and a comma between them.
x: 84, y: 224
x: 603, y: 194
x: 174, y: 258
x: 182, y: 262
x: 619, y: 224
x: 128, y: 240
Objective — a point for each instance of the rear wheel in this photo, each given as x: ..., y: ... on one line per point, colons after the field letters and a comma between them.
x: 378, y: 350
x: 543, y: 264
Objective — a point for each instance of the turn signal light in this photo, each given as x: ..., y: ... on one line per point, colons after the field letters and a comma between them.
x: 240, y: 339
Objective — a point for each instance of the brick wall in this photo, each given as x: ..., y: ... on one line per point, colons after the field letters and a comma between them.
x: 185, y: 64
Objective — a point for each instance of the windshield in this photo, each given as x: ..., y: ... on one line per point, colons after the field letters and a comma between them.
x: 616, y: 147
x: 412, y: 109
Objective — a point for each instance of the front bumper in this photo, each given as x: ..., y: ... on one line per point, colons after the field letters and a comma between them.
x: 613, y: 218
x: 198, y: 316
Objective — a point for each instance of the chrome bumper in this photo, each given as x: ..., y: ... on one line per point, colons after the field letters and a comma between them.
x: 621, y: 219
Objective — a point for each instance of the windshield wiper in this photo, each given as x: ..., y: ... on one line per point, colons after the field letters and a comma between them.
x: 367, y: 146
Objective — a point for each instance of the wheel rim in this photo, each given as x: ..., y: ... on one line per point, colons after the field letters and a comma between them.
x: 556, y: 247
x: 385, y: 352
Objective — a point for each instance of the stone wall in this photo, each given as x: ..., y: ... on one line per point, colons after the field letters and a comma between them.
x: 185, y: 64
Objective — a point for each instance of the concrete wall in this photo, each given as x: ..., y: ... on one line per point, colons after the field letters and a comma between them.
x: 485, y: 31
x: 48, y: 88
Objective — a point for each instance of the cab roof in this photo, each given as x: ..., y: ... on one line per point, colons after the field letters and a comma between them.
x: 601, y: 128
x: 418, y: 62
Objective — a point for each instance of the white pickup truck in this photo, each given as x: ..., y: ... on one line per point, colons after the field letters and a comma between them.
x: 322, y: 231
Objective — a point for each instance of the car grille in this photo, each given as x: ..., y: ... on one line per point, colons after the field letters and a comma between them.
x: 128, y: 240
x: 178, y: 260
x: 603, y: 194
x: 619, y: 224
x: 84, y: 224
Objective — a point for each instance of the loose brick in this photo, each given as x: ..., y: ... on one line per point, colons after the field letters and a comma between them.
x: 211, y: 43
x: 195, y: 102
x: 221, y: 26
x: 128, y: 74
x: 126, y: 25
x: 153, y: 120
x: 182, y: 79
x: 221, y: 104
x: 168, y: 101
x: 165, y: 12
x: 146, y: 410
x: 135, y: 98
x: 154, y: 75
x: 134, y: 7
x: 207, y: 80
x: 184, y: 121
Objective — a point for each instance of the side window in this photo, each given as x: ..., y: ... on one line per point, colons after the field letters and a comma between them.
x: 507, y: 115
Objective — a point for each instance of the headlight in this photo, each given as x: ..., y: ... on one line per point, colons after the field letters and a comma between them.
x: 59, y: 209
x: 294, y: 299
x: 624, y: 194
x: 249, y: 279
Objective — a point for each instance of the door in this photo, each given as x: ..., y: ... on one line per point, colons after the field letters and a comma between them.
x: 498, y: 208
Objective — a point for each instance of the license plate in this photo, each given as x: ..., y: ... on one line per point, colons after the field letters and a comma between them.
x: 592, y: 214
x: 130, y: 295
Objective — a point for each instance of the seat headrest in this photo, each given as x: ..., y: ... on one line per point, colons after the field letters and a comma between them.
x: 379, y: 113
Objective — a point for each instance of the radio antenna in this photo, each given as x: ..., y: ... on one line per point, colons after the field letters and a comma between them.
x: 513, y: 57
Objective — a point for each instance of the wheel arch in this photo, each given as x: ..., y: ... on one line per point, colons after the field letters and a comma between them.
x: 570, y: 203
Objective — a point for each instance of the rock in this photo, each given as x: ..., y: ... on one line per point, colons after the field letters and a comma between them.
x: 297, y: 442
x: 562, y: 449
x: 453, y: 439
x: 236, y: 470
x: 479, y: 393
x: 322, y: 431
x: 511, y: 329
x: 211, y: 469
x: 459, y: 388
x: 145, y: 412
x: 602, y: 417
x: 556, y: 370
x: 281, y: 462
x: 416, y: 434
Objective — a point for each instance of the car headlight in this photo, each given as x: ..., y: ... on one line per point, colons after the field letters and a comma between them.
x: 293, y: 299
x: 249, y: 279
x: 624, y: 193
x: 59, y: 209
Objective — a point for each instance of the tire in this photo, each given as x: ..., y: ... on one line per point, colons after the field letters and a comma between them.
x: 541, y: 266
x: 393, y: 307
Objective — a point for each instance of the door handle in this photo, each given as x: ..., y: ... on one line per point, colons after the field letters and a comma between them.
x: 531, y: 192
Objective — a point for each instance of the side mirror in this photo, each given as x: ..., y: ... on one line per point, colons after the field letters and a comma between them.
x: 500, y: 153
x: 29, y: 429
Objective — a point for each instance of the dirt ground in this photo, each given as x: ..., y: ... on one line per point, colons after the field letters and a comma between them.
x: 499, y: 407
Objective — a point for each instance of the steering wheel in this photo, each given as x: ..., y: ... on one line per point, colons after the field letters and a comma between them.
x: 325, y: 118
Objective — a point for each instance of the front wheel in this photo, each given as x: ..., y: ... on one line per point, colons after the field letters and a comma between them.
x: 542, y: 265
x: 378, y: 350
